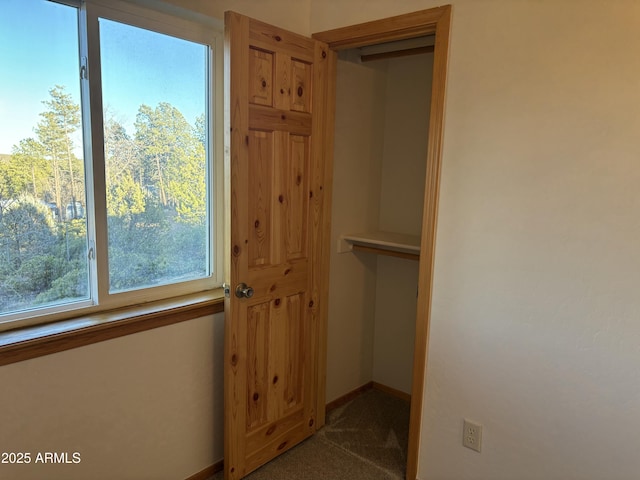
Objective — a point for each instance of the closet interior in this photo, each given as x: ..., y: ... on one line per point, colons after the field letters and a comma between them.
x: 383, y: 95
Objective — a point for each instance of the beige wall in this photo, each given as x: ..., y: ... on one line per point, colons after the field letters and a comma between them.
x: 293, y: 15
x: 381, y: 120
x: 395, y: 322
x: 360, y: 92
x: 408, y: 103
x: 535, y: 329
x: 408, y: 100
x: 145, y: 406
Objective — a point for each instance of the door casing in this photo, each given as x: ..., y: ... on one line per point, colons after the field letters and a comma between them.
x: 426, y: 22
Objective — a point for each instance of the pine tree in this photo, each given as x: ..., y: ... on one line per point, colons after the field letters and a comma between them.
x: 165, y: 139
x: 55, y: 133
x: 174, y: 159
x: 29, y: 169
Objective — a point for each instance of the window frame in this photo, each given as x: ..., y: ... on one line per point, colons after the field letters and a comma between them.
x: 209, y: 33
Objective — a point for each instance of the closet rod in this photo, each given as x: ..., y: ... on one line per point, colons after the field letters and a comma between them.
x: 383, y: 251
x: 396, y: 53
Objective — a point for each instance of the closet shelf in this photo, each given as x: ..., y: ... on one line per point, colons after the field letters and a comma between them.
x: 382, y: 243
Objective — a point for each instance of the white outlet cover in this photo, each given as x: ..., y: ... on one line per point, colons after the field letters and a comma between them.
x: 472, y: 435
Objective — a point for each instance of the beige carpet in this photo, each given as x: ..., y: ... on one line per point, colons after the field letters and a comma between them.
x: 366, y: 439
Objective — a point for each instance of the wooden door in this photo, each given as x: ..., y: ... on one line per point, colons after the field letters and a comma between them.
x: 280, y: 91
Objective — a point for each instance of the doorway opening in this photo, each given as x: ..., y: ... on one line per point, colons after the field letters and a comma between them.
x: 416, y: 27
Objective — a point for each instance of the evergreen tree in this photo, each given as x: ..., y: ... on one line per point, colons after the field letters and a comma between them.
x: 125, y: 199
x: 200, y: 129
x: 156, y: 204
x: 188, y: 185
x: 121, y: 153
x: 26, y: 231
x: 165, y: 140
x: 55, y: 133
x: 29, y: 170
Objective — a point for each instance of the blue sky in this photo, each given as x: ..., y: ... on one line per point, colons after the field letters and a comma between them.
x: 39, y: 49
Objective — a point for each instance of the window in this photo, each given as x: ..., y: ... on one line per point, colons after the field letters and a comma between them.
x: 109, y: 192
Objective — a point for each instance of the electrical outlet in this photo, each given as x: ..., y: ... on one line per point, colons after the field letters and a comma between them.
x: 472, y: 435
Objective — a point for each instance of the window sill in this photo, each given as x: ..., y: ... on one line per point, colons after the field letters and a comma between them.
x: 36, y: 341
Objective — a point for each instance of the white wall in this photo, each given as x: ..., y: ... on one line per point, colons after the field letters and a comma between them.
x: 408, y: 100
x: 358, y: 152
x: 144, y: 406
x: 535, y: 330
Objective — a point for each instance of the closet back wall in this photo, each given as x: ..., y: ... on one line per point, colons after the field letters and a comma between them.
x: 359, y: 132
x: 408, y: 102
x: 379, y: 167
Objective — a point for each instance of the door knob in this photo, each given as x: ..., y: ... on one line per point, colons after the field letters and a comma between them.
x: 243, y: 291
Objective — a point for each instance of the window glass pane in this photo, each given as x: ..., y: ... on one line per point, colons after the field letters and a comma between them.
x: 43, y: 229
x: 155, y: 103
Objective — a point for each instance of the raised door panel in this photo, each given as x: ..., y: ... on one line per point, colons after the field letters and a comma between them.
x: 277, y: 198
x: 260, y: 77
x: 301, y: 94
x: 260, y: 208
x: 296, y: 173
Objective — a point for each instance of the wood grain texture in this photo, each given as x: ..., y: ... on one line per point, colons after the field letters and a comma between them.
x: 429, y: 223
x: 235, y: 393
x: 394, y: 392
x: 261, y: 77
x: 425, y: 22
x: 326, y: 61
x: 261, y: 148
x: 400, y: 27
x: 271, y: 339
x: 272, y: 119
x: 258, y: 334
x: 294, y: 358
x: 347, y: 397
x: 207, y: 473
x: 283, y: 81
x: 301, y: 83
x: 32, y: 342
x: 271, y: 38
x: 296, y: 186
